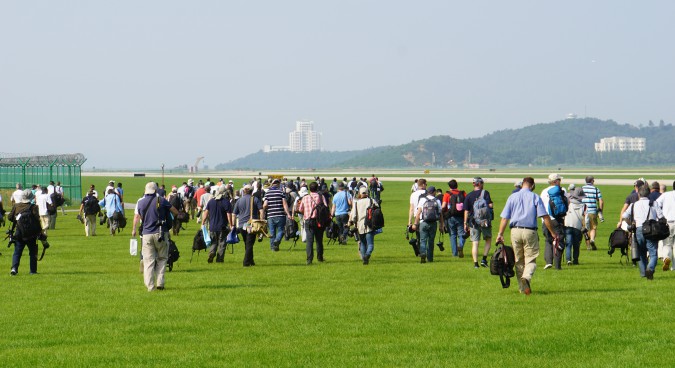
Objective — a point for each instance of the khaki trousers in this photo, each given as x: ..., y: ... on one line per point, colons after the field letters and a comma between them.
x: 155, y: 256
x: 526, y: 249
x: 90, y: 225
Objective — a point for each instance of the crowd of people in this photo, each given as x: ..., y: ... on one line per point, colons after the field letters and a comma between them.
x: 567, y: 217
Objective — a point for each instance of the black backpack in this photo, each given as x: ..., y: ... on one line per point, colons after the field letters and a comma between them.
x: 57, y: 199
x: 27, y: 225
x: 374, y: 217
x: 456, y: 202
x: 430, y: 210
x: 502, y: 264
x: 198, y: 243
x: 291, y: 230
x: 333, y: 231
x: 323, y: 218
x: 174, y: 254
x: 91, y: 206
x: 618, y: 240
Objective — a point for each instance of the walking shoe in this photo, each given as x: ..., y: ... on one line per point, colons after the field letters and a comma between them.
x: 440, y: 246
x: 160, y: 287
x: 666, y: 264
x: 569, y: 263
x: 461, y: 252
x: 423, y: 258
x: 650, y: 274
x: 593, y: 247
x: 483, y: 263
x: 211, y: 256
x: 526, y: 286
x: 366, y: 259
x: 13, y: 272
x: 548, y: 265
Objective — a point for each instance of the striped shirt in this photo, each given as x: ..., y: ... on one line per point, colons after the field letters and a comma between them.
x: 275, y: 202
x: 592, y: 198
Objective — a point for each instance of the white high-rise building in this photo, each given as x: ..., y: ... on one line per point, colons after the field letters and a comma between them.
x: 304, y: 138
x: 621, y: 144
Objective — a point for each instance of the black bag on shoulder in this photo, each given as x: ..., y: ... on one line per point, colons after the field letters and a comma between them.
x: 655, y: 229
x: 27, y: 226
x: 618, y: 240
x: 502, y: 264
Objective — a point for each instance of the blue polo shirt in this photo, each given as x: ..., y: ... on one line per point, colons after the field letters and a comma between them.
x: 151, y: 213
x: 523, y: 208
x: 341, y: 202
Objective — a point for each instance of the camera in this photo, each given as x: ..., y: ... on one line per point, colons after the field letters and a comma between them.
x: 10, y: 236
x: 79, y: 218
x: 466, y: 235
x: 351, y: 232
x: 584, y: 231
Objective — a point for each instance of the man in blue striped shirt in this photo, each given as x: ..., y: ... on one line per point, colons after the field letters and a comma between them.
x: 276, y: 209
x: 594, y: 205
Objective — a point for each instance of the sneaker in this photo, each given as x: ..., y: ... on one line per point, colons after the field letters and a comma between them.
x: 548, y: 265
x: 569, y: 263
x: 160, y: 287
x: 526, y: 286
x: 461, y: 252
x: 211, y: 256
x: 593, y: 247
x: 483, y: 263
x: 649, y: 274
x: 366, y: 259
x: 666, y: 264
x: 423, y: 258
x: 13, y: 272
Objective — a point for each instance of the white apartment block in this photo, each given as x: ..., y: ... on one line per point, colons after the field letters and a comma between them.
x: 304, y: 138
x: 621, y: 144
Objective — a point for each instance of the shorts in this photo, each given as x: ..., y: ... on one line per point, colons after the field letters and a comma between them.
x: 592, y: 221
x: 477, y: 231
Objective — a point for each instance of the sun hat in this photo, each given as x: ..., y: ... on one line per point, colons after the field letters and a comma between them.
x: 150, y: 188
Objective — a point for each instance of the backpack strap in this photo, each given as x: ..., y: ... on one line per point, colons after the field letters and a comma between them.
x: 632, y: 211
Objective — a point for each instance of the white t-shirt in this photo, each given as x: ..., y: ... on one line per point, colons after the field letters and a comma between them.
x: 17, y: 196
x: 50, y: 189
x: 666, y: 202
x: 415, y: 198
x: 42, y: 199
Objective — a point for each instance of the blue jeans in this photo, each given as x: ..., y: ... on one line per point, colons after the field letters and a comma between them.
x: 427, y: 236
x: 32, y: 253
x: 455, y: 227
x: 644, y: 246
x: 573, y: 237
x: 276, y: 227
x: 366, y: 244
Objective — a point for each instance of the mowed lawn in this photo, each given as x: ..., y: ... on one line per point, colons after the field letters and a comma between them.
x: 88, y: 305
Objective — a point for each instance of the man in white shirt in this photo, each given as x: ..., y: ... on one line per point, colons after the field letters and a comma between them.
x: 42, y: 199
x: 667, y: 204
x: 412, y: 212
x: 17, y: 196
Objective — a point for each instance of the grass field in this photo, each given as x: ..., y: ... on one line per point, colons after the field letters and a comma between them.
x: 88, y: 305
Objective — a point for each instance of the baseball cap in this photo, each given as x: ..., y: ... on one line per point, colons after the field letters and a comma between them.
x: 363, y: 190
x: 554, y: 177
x: 639, y: 183
x: 276, y: 181
x: 431, y: 189
x: 518, y: 183
x: 27, y: 196
x: 478, y: 180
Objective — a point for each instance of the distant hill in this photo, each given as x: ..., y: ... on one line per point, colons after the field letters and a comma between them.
x: 565, y: 142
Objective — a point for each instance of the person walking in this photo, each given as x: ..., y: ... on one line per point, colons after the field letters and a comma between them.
x: 248, y: 207
x: 667, y: 204
x: 594, y: 206
x: 358, y: 217
x: 478, y: 219
x: 153, y: 210
x: 453, y: 213
x: 427, y: 219
x: 26, y: 231
x: 277, y: 211
x: 521, y: 212
x: 638, y: 213
x: 218, y: 212
x: 574, y: 225
x: 310, y: 216
x: 342, y: 202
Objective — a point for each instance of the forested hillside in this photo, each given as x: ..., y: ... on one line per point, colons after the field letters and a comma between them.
x: 565, y: 142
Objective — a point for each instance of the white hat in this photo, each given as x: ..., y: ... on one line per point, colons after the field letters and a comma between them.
x: 303, y: 192
x: 554, y: 177
x: 27, y: 196
x: 220, y: 192
x: 150, y: 188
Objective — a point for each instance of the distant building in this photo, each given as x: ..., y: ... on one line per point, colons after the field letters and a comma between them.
x: 304, y: 138
x: 621, y: 144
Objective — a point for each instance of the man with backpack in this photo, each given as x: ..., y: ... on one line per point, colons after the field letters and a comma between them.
x: 421, y: 191
x: 427, y: 219
x: 359, y: 216
x: 89, y: 208
x: 218, y: 212
x: 453, y: 213
x: 26, y: 219
x: 342, y: 202
x: 113, y: 208
x: 316, y: 216
x: 478, y: 217
x: 556, y: 203
x: 521, y: 211
x: 153, y: 210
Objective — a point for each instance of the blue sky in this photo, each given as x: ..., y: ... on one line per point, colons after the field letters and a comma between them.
x: 133, y: 84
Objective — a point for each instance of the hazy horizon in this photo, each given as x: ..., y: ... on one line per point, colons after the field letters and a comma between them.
x: 138, y: 84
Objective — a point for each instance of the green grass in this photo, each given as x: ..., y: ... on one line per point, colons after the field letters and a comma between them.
x: 89, y: 307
